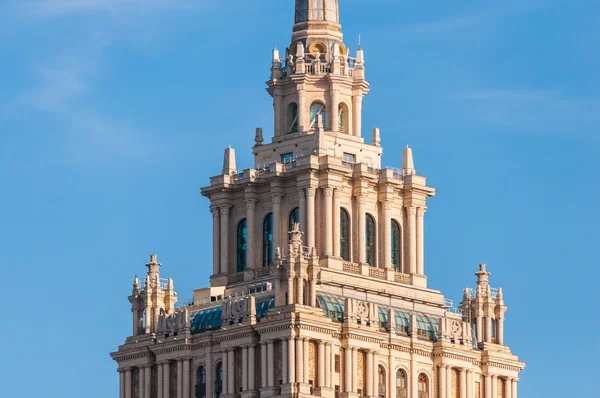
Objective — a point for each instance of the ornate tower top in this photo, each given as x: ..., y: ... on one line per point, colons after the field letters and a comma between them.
x: 317, y: 20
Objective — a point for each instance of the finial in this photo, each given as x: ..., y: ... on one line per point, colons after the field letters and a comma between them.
x: 258, y: 138
x: 136, y: 286
x: 376, y: 139
x: 229, y: 166
x: 276, y: 55
x: 408, y: 163
x: 359, y: 38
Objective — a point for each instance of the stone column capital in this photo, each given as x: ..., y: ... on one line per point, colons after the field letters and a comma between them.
x: 251, y: 204
x: 337, y: 192
x: 276, y: 197
x: 310, y: 192
x: 328, y: 191
x: 387, y: 204
x: 411, y: 210
x: 224, y: 209
x: 215, y: 210
x: 421, y: 211
x: 362, y: 199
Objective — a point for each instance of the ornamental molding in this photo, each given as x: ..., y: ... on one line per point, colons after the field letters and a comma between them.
x: 129, y: 356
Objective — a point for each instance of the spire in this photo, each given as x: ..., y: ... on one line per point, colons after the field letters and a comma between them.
x: 153, y: 266
x: 229, y: 166
x: 408, y: 163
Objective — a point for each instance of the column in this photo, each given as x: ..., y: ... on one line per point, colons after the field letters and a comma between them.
x: 251, y: 368
x: 305, y: 352
x: 336, y: 223
x: 121, y: 383
x: 494, y: 386
x: 488, y: 329
x: 271, y: 363
x: 508, y: 388
x: 334, y: 110
x: 470, y: 384
x: 302, y: 209
x: 357, y: 113
x: 186, y: 378
x: 302, y: 122
x: 387, y: 233
x: 370, y: 377
x: 285, y: 379
x: 147, y: 381
x: 299, y: 361
x: 420, y: 241
x: 449, y: 381
x: 216, y: 213
x: 412, y: 238
x: 225, y: 366
x: 179, y: 378
x: 500, y: 331
x: 360, y: 224
x: 231, y: 371
x: 245, y: 368
x: 329, y: 221
x: 291, y: 359
x: 348, y: 369
x: 354, y: 369
x: 159, y: 382
x: 279, y: 120
x: 514, y: 387
x: 463, y: 383
x: 321, y: 363
x: 263, y: 364
x: 128, y: 384
x: 210, y: 380
x: 141, y: 381
x: 250, y: 253
x: 310, y: 217
x: 225, y: 239
x: 328, y: 371
x: 442, y: 381
x: 375, y: 379
x: 479, y: 328
x: 167, y: 380
x: 488, y: 386
x: 277, y: 220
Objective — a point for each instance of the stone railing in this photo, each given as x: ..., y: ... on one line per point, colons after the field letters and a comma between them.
x: 378, y: 273
x: 235, y: 278
x: 402, y: 278
x: 262, y: 272
x: 351, y: 267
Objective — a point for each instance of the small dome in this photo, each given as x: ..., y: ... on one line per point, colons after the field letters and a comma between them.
x: 317, y: 10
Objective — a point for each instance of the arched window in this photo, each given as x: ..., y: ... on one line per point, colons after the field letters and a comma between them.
x: 423, y: 386
x: 343, y: 118
x: 219, y: 380
x: 370, y: 240
x: 381, y: 381
x: 400, y: 380
x: 396, y: 246
x: 294, y: 219
x: 268, y: 240
x: 200, y: 383
x: 242, y: 245
x: 292, y: 118
x: 318, y: 108
x: 344, y: 235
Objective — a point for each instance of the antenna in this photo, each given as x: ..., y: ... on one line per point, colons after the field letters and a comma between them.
x: 359, y: 38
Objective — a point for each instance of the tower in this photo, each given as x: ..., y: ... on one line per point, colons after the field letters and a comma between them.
x: 318, y: 284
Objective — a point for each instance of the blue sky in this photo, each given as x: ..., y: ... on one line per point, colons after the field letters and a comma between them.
x: 113, y: 113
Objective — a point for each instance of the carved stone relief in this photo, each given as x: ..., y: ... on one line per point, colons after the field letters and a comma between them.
x: 173, y: 378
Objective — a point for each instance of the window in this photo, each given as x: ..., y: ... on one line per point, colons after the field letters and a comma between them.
x: 292, y: 117
x: 268, y: 240
x: 337, y: 365
x: 293, y: 219
x: 349, y: 157
x: 337, y: 392
x: 331, y: 11
x: 342, y: 118
x: 302, y: 11
x: 401, y: 379
x: 287, y: 158
x: 381, y: 381
x: 396, y: 245
x: 242, y: 245
x: 318, y: 108
x: 344, y: 235
x: 317, y: 10
x: 370, y: 240
x: 200, y: 383
x: 423, y: 384
x: 219, y: 380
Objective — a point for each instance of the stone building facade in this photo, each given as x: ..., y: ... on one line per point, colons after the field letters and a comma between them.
x: 319, y: 284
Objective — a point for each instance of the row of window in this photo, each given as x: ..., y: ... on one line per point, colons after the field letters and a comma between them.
x: 317, y: 108
x: 370, y: 240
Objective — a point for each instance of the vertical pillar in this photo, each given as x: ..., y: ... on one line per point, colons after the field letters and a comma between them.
x: 306, y: 352
x: 387, y: 233
x: 302, y: 209
x: 507, y: 388
x: 514, y: 387
x: 329, y: 221
x: 161, y: 376
x: 470, y: 384
x: 370, y: 377
x: 263, y: 364
x: 336, y: 223
x: 357, y: 113
x: 488, y: 329
x: 251, y: 368
x: 463, y: 383
x: 310, y: 217
x: 285, y: 379
x: 121, y: 383
x: 250, y: 252
x: 321, y: 363
x: 231, y: 371
x: 354, y: 369
x: 375, y: 378
x: 362, y: 249
x: 328, y: 371
x: 421, y: 241
x: 442, y: 381
x: 147, y: 382
x: 449, y: 386
x: 291, y: 360
x: 278, y: 121
x: 141, y: 381
x: 494, y: 386
x: 334, y: 119
x: 488, y: 386
x: 277, y: 220
x: 500, y: 331
x: 186, y: 378
x: 245, y: 368
x: 302, y: 111
x: 225, y: 239
x: 412, y: 237
x: 299, y: 361
x: 225, y: 367
x: 128, y: 383
x: 348, y: 369
x: 179, y: 378
x: 479, y: 327
x: 414, y: 377
x: 216, y: 240
x: 210, y: 378
x: 167, y: 380
x: 271, y: 363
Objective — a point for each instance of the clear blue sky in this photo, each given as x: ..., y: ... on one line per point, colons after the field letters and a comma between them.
x: 113, y: 113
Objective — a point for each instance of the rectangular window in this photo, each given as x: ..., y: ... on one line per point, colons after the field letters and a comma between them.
x: 337, y: 364
x: 337, y: 391
x: 287, y: 158
x: 350, y: 158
